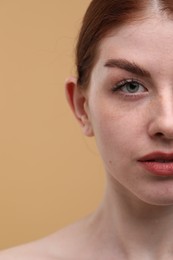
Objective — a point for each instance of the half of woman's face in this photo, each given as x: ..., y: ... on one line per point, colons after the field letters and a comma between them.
x: 130, y: 107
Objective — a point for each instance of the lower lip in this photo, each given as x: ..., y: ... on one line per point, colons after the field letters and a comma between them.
x: 157, y: 168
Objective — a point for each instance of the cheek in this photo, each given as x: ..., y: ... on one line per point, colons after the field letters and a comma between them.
x: 118, y: 133
x: 116, y: 128
x: 119, y: 125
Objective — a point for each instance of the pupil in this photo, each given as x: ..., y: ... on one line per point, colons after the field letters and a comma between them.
x: 132, y: 87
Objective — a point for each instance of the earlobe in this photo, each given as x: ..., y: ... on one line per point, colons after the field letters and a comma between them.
x: 78, y: 103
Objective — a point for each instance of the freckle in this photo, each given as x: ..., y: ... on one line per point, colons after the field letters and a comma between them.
x: 110, y: 162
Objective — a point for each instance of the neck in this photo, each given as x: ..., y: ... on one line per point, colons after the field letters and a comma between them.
x: 138, y: 228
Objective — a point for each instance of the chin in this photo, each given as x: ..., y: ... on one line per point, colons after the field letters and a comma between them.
x: 157, y: 199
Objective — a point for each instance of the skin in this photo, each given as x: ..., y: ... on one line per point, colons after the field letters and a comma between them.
x: 135, y: 219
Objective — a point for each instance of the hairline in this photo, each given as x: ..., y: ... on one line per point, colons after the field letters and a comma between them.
x: 109, y: 33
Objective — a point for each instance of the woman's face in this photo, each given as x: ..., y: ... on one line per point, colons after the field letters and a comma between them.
x: 130, y: 107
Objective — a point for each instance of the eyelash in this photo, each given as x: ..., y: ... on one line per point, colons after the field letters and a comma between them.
x: 124, y: 83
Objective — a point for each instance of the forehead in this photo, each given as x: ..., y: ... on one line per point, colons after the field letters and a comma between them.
x: 140, y: 41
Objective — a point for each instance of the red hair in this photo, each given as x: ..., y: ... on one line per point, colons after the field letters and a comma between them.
x: 100, y: 17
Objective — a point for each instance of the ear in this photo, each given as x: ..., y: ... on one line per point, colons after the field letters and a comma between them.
x: 77, y: 100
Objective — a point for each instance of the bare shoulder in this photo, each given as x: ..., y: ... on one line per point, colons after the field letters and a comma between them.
x: 66, y: 244
x: 33, y: 251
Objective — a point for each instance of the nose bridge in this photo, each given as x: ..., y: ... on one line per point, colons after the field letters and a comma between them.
x: 165, y: 106
x: 162, y: 115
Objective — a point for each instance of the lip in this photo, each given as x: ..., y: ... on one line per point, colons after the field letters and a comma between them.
x: 151, y: 164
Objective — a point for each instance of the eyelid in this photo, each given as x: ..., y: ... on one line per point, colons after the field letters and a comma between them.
x: 125, y: 81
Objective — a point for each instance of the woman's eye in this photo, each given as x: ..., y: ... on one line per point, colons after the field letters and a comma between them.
x: 129, y: 87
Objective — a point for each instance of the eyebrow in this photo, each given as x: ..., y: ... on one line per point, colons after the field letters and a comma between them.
x: 128, y: 66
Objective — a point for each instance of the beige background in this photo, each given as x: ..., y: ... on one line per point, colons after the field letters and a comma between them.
x: 51, y: 175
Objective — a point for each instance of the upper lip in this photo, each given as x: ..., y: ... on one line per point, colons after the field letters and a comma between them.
x: 157, y: 156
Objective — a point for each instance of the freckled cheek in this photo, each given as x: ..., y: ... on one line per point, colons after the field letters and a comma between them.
x: 113, y: 131
x: 117, y: 133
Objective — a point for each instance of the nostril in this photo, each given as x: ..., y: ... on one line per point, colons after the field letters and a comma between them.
x: 161, y: 128
x: 165, y: 136
x: 159, y: 134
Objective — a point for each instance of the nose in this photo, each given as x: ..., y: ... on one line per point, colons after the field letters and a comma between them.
x: 161, y: 123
